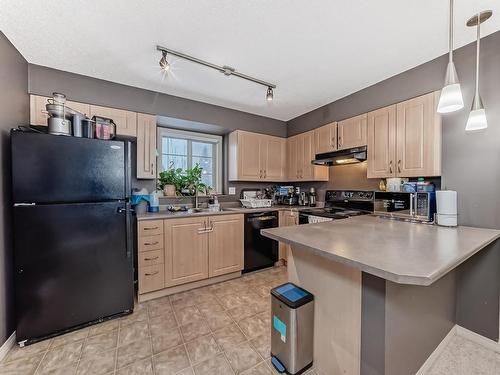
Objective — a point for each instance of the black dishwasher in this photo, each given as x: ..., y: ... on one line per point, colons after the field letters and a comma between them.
x: 260, y: 252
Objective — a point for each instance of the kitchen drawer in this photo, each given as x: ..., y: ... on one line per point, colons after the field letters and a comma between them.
x: 150, y: 258
x: 151, y: 278
x: 147, y: 243
x: 150, y: 227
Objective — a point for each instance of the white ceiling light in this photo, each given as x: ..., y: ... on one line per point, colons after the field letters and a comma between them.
x: 451, y: 99
x: 226, y: 70
x: 477, y: 116
x: 164, y: 65
x: 269, y: 95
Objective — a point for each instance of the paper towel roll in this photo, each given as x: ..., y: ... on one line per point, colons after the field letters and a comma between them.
x: 446, y: 202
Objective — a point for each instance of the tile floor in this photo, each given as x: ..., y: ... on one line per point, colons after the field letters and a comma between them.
x: 216, y: 330
x: 464, y: 357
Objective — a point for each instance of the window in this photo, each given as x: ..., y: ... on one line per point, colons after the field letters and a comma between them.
x: 182, y: 149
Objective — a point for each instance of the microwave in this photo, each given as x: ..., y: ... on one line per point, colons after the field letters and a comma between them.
x: 419, y: 206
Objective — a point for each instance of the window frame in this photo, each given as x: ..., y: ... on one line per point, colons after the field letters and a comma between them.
x: 216, y: 140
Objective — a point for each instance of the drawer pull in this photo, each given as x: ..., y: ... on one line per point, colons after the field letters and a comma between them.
x: 151, y: 274
x: 151, y: 228
x: 154, y: 258
x: 151, y: 243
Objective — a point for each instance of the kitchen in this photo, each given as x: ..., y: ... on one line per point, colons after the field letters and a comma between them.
x: 263, y: 145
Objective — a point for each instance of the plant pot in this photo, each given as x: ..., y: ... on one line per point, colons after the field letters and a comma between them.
x: 169, y: 190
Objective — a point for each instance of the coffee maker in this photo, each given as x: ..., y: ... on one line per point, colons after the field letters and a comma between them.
x: 303, y: 199
x: 312, y: 197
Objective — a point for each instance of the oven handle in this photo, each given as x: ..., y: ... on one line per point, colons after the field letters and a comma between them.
x: 262, y: 218
x: 412, y: 198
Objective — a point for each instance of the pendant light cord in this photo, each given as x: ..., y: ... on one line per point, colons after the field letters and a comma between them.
x: 451, y: 32
x: 478, y: 46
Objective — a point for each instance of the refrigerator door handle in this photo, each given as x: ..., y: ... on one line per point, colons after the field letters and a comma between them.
x: 128, y: 218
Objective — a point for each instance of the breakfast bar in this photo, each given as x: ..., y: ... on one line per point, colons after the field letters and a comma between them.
x: 388, y: 292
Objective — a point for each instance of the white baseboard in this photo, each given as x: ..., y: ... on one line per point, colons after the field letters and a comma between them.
x: 7, y: 345
x: 439, y: 349
x: 478, y: 339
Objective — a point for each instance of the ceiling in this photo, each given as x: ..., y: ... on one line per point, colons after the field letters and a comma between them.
x: 315, y: 51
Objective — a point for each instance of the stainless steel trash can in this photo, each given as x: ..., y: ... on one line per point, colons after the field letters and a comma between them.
x: 292, y: 320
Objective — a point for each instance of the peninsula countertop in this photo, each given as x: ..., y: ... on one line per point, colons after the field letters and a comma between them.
x: 398, y: 251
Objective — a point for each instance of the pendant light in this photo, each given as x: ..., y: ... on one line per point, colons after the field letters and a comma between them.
x: 477, y: 116
x: 451, y: 99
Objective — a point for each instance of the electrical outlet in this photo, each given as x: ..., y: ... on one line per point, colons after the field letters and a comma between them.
x: 232, y: 190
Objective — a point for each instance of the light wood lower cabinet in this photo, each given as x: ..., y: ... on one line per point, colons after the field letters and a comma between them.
x: 186, y: 250
x: 287, y: 218
x: 191, y: 249
x: 225, y: 244
x: 150, y: 256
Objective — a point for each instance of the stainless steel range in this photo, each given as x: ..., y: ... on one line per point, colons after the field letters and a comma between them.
x: 339, y: 204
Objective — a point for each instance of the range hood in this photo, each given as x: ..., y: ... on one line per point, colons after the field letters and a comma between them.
x: 342, y: 157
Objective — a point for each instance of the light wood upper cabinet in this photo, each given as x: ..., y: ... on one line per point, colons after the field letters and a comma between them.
x: 404, y: 140
x: 256, y: 157
x: 225, y: 244
x: 126, y: 121
x: 418, y: 145
x: 37, y: 109
x: 352, y: 132
x: 146, y: 146
x: 186, y: 250
x: 382, y: 143
x: 273, y: 158
x: 325, y: 138
x: 300, y: 153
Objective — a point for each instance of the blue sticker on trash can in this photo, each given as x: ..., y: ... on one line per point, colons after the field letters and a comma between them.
x: 280, y: 327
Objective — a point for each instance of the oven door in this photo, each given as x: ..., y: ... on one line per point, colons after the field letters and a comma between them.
x: 303, y: 219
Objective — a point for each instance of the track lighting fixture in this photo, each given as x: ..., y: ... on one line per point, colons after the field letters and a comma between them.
x: 477, y: 116
x: 226, y: 70
x: 451, y: 99
x: 269, y: 95
x: 164, y: 65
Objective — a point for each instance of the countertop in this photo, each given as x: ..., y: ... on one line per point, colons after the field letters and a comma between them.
x: 226, y: 211
x: 398, y: 251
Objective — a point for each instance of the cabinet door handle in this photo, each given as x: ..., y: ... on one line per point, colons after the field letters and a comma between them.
x: 390, y: 167
x: 399, y: 166
x: 151, y: 243
x: 151, y: 228
x: 260, y: 173
x: 265, y: 173
x: 340, y: 141
x: 151, y: 274
x: 332, y: 142
x: 152, y: 167
x: 154, y: 258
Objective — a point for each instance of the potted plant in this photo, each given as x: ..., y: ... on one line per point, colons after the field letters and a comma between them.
x: 169, y: 181
x: 190, y: 181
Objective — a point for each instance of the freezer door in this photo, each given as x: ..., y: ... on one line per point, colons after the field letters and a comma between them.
x: 55, y: 169
x: 73, y: 265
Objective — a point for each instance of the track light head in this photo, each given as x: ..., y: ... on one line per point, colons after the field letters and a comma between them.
x: 164, y: 65
x: 269, y: 95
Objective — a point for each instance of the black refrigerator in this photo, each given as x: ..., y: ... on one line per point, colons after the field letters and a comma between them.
x: 73, y: 250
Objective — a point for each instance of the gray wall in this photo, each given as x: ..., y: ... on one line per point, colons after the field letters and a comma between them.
x: 469, y: 160
x: 44, y: 81
x: 14, y: 110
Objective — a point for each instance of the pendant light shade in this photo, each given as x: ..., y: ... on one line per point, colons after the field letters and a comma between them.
x: 451, y: 99
x: 477, y: 116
